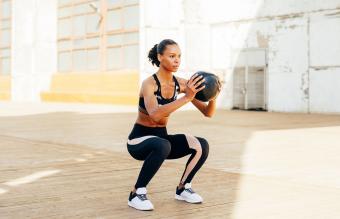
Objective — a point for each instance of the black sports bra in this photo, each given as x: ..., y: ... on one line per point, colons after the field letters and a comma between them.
x: 161, y: 100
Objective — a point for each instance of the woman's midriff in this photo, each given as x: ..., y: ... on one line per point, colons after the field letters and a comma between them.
x: 145, y: 120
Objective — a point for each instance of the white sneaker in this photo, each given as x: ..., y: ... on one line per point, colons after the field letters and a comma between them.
x: 188, y: 195
x: 139, y: 200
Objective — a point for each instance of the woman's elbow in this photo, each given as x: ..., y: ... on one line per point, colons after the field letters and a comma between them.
x: 209, y: 114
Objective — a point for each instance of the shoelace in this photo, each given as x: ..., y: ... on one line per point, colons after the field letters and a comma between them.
x: 142, y: 197
x: 190, y: 190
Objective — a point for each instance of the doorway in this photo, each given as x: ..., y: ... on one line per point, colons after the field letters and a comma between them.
x: 249, y: 79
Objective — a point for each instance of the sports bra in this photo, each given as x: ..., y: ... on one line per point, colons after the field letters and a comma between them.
x: 161, y: 100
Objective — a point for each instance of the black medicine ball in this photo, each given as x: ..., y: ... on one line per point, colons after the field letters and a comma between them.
x: 211, y: 86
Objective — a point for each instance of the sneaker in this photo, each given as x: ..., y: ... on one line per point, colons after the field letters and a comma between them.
x: 188, y: 195
x: 138, y: 200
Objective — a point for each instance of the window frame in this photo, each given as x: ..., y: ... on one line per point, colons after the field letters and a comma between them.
x: 103, y: 34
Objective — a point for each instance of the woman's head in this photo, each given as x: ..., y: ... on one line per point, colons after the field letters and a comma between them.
x: 166, y: 54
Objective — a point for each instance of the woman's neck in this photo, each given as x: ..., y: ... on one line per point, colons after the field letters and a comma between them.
x: 164, y: 75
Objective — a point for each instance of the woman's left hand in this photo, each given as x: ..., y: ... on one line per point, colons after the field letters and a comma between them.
x: 219, y: 90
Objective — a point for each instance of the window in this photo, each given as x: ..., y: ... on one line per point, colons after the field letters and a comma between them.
x: 97, y: 35
x: 5, y: 37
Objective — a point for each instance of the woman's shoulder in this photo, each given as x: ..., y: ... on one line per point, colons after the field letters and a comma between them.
x: 149, y: 81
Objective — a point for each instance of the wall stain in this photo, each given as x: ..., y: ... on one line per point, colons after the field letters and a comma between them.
x: 305, y: 85
x: 262, y: 40
x: 335, y: 14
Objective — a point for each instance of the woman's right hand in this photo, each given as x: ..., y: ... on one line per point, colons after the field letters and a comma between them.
x: 192, y: 86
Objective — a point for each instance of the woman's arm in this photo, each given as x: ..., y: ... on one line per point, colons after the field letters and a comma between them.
x: 156, y: 112
x: 207, y: 110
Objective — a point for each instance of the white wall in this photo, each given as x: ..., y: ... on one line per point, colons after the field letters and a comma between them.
x: 301, y: 39
x: 325, y: 62
x: 34, y: 26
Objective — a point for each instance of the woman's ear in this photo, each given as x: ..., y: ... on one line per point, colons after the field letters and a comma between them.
x: 159, y: 57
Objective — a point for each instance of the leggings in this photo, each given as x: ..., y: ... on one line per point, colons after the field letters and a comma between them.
x: 154, y: 145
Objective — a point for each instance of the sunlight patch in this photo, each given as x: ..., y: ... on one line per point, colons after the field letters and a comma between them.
x: 31, y: 178
x: 3, y: 191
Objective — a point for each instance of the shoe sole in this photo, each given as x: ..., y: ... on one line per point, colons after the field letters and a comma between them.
x: 132, y: 206
x: 180, y: 198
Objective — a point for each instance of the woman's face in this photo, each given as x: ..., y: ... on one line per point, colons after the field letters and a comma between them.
x: 171, y: 58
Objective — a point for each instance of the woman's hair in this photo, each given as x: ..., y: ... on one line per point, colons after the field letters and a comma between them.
x: 159, y: 49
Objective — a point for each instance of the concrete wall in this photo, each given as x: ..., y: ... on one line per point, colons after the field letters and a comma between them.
x: 301, y: 39
x: 34, y: 60
x: 324, y: 66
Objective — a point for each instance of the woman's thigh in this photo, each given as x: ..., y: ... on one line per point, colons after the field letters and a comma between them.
x: 179, y: 146
x: 140, y: 148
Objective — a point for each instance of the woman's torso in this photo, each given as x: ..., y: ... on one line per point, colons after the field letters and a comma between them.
x: 165, y: 94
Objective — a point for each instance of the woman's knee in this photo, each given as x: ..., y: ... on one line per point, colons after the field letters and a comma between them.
x: 163, y: 147
x: 205, y: 146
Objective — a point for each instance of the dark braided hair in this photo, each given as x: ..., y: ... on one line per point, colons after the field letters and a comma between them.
x: 159, y: 49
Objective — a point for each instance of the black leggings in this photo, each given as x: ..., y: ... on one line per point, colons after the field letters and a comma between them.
x: 154, y: 145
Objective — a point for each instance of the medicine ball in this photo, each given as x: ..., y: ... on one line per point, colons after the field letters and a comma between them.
x: 211, y: 86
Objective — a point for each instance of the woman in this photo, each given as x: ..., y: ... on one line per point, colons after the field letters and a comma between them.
x: 149, y: 140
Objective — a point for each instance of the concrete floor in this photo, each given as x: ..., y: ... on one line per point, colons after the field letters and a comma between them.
x: 70, y: 161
